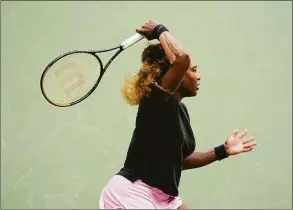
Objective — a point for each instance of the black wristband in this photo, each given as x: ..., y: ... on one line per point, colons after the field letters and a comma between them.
x: 158, y: 30
x: 220, y: 152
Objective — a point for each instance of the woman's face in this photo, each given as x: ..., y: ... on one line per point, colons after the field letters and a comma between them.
x: 190, y: 84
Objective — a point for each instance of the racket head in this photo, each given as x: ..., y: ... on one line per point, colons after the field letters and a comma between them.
x: 71, y: 78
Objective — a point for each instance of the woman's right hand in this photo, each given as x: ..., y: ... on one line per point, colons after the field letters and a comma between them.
x: 147, y: 29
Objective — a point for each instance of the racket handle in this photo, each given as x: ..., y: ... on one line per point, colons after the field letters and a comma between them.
x: 131, y: 40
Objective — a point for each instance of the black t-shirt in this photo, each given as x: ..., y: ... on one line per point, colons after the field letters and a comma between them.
x: 161, y: 140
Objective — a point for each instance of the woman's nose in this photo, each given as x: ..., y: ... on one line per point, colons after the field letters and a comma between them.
x: 198, y: 76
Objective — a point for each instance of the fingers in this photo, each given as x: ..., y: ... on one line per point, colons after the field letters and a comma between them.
x: 249, y: 148
x: 250, y: 145
x: 244, y: 141
x: 243, y: 133
x: 141, y: 29
x: 235, y: 132
x: 150, y: 24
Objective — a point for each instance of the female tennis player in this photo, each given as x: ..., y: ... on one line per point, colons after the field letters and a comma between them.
x: 163, y: 143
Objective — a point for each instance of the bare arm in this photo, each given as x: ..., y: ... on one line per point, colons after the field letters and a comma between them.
x: 234, y: 144
x: 199, y: 159
x: 178, y: 57
x: 179, y: 60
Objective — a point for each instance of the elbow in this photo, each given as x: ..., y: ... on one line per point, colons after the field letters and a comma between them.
x: 183, y: 59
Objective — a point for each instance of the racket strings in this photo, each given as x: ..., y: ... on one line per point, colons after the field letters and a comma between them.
x: 71, y: 78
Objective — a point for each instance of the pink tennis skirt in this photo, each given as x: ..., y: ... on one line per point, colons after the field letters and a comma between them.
x: 120, y: 193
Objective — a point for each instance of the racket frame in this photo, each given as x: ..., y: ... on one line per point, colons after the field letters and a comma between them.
x: 102, y: 71
x: 121, y: 47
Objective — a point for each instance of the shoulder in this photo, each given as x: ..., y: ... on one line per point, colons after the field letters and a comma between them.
x: 158, y: 92
x: 158, y: 102
x: 184, y: 109
x: 183, y: 106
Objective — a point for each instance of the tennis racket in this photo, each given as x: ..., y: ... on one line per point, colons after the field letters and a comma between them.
x: 73, y: 76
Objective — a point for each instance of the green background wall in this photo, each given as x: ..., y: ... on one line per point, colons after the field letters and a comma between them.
x: 61, y: 158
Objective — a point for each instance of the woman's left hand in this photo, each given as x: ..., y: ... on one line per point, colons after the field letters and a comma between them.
x: 147, y: 29
x: 237, y: 143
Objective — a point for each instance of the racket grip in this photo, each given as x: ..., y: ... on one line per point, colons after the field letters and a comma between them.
x: 131, y: 41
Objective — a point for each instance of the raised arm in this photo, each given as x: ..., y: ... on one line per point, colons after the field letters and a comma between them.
x: 177, y: 55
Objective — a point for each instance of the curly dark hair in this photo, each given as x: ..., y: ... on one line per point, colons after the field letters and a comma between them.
x: 154, y: 65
